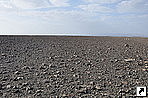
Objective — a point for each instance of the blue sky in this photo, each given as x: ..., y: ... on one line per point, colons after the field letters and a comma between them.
x: 74, y: 17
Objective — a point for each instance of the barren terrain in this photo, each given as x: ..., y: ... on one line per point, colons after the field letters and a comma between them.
x: 72, y: 66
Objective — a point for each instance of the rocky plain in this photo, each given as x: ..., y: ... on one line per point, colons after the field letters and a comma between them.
x: 72, y: 66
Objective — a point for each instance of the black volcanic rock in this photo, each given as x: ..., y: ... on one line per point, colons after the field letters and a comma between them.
x: 72, y: 67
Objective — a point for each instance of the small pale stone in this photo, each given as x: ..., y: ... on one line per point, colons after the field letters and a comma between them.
x: 3, y: 54
x: 92, y: 83
x: 126, y: 45
x: 55, y: 75
x: 98, y: 87
x: 24, y: 84
x: 8, y: 86
x: 146, y: 62
x: 64, y: 95
x: 19, y: 78
x: 39, y: 91
x: 145, y: 69
x: 17, y: 72
x: 129, y: 60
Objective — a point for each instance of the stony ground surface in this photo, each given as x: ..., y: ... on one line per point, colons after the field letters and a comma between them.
x: 72, y: 67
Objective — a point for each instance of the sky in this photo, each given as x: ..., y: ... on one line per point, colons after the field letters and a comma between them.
x: 74, y: 17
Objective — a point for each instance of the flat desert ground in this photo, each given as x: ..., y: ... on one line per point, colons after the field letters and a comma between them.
x: 72, y: 66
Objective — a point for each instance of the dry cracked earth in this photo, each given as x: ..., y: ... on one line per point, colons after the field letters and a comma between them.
x: 72, y: 66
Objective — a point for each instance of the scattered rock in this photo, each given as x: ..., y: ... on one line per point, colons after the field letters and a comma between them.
x: 42, y: 67
x: 83, y: 68
x: 17, y: 72
x: 29, y: 88
x: 3, y: 54
x: 30, y: 92
x: 84, y: 91
x: 92, y: 83
x: 1, y: 86
x: 8, y: 61
x: 64, y: 95
x: 145, y: 69
x: 39, y: 91
x: 26, y: 67
x: 126, y: 45
x: 25, y: 84
x: 98, y: 87
x: 46, y: 81
x: 140, y: 63
x: 15, y: 87
x: 146, y: 62
x: 5, y: 72
x: 1, y: 94
x: 44, y: 64
x: 18, y: 78
x: 129, y: 60
x: 55, y: 76
x: 124, y: 82
x: 5, y: 79
x: 114, y: 61
x: 62, y: 60
x: 8, y: 86
x: 58, y: 72
x: 53, y: 66
x: 89, y: 64
x: 17, y: 91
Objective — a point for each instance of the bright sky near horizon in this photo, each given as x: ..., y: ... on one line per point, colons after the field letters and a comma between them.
x: 74, y: 17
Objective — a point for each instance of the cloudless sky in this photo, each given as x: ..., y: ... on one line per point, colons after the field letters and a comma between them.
x: 74, y: 17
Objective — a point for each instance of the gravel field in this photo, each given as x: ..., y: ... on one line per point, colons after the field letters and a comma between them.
x: 72, y: 66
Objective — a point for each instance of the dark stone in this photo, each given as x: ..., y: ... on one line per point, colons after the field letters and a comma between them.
x: 17, y: 91
x: 126, y: 45
x: 1, y: 86
x: 1, y: 94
